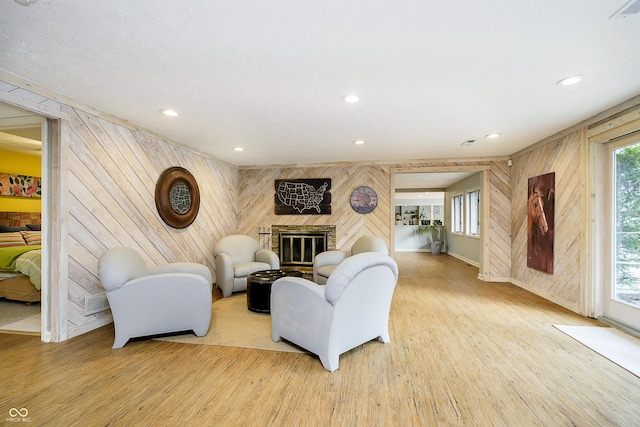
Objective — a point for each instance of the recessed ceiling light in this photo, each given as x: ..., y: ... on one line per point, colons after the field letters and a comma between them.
x: 493, y: 135
x: 358, y: 142
x: 568, y: 81
x: 169, y: 113
x: 238, y: 148
x: 632, y: 7
x: 351, y: 99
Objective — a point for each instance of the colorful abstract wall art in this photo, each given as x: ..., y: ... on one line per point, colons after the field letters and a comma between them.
x: 20, y: 185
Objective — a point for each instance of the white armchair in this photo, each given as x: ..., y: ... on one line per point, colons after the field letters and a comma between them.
x: 150, y: 301
x: 350, y: 310
x: 325, y: 262
x: 237, y: 257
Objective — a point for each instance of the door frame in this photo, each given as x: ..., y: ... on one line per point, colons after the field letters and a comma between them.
x: 53, y: 271
x: 484, y: 205
x: 613, y: 309
x: 625, y: 127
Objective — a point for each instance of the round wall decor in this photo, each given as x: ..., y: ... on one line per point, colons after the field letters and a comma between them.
x: 177, y: 197
x: 364, y: 199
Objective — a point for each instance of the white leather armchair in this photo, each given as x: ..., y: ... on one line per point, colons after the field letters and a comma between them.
x: 325, y: 262
x: 150, y: 301
x: 350, y: 310
x: 237, y: 257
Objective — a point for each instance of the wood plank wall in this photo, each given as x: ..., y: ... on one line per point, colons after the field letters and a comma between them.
x: 110, y: 200
x: 567, y: 157
x: 256, y: 203
x: 256, y: 200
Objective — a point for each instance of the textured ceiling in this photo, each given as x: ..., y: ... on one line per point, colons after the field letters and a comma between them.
x: 268, y: 76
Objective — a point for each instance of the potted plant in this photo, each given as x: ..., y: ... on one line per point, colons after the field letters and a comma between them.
x: 428, y: 230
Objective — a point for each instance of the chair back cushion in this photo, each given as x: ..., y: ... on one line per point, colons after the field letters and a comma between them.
x: 119, y: 265
x: 369, y: 244
x: 239, y: 247
x: 350, y: 268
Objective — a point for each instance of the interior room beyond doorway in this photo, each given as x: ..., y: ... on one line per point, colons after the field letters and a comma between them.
x: 427, y: 198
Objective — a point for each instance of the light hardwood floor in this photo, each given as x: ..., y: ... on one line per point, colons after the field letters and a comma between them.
x: 463, y: 352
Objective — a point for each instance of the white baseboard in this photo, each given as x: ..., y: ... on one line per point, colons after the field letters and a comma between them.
x: 461, y: 258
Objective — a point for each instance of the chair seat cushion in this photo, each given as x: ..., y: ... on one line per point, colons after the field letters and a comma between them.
x: 244, y: 269
x: 326, y: 270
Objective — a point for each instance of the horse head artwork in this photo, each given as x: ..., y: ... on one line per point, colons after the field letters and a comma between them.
x: 540, y: 222
x: 537, y: 219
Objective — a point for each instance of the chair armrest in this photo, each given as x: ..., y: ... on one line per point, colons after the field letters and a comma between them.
x: 270, y: 257
x: 224, y: 273
x: 183, y: 267
x: 329, y: 258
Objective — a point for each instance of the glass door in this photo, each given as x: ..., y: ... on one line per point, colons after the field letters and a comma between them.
x: 622, y: 295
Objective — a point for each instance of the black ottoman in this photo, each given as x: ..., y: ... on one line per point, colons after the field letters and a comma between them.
x: 259, y: 288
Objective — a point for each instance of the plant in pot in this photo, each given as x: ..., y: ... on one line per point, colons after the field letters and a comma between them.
x: 429, y: 230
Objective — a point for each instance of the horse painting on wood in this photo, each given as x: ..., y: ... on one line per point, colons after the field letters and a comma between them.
x: 540, y: 224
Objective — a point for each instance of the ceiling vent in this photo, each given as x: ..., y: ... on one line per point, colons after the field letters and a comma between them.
x: 468, y: 142
x: 630, y: 8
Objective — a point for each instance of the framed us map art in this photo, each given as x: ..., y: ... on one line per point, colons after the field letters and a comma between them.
x: 302, y: 196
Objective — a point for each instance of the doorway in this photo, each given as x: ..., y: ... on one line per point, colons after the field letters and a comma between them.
x: 437, y: 188
x: 23, y: 135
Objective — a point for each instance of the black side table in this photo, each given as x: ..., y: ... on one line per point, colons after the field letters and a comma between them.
x: 259, y: 288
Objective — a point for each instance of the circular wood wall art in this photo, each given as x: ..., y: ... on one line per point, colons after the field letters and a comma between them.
x: 177, y: 197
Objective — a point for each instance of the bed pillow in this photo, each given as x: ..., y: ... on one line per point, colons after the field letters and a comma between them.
x: 32, y: 237
x: 34, y: 227
x: 11, y: 239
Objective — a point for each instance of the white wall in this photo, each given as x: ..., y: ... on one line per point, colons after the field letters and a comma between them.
x: 406, y: 239
x: 467, y: 248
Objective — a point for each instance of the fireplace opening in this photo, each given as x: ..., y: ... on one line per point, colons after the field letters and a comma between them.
x: 299, y: 248
x: 298, y: 245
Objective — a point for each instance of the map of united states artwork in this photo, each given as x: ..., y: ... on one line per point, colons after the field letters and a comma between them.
x: 303, y: 196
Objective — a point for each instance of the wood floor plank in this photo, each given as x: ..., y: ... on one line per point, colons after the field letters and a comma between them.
x: 463, y: 352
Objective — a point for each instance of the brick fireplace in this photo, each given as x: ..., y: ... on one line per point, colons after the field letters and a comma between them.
x: 297, y: 245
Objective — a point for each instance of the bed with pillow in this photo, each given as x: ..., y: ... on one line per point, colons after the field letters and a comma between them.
x: 20, y: 263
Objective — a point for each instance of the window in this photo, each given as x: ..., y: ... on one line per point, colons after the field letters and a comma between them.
x: 473, y: 213
x: 456, y: 214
